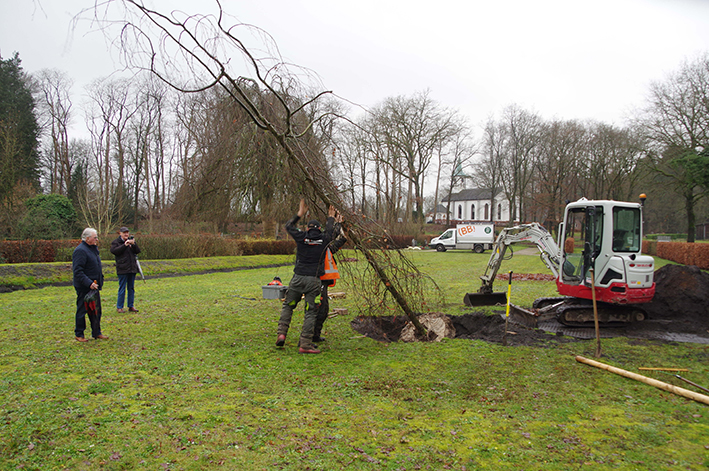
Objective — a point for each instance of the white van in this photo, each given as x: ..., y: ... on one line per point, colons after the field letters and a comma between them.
x: 475, y: 237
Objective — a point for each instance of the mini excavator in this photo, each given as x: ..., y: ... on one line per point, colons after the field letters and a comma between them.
x: 602, y: 235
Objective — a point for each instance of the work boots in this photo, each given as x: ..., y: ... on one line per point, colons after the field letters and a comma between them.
x: 281, y: 340
x: 312, y: 349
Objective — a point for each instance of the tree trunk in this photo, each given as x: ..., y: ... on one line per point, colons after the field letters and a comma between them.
x: 689, y: 202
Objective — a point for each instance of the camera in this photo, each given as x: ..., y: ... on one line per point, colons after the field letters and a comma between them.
x: 131, y: 238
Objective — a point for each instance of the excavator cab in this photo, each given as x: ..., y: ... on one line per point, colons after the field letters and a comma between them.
x: 608, y: 238
x: 583, y: 243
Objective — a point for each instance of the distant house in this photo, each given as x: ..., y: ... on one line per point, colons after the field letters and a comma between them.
x: 438, y: 216
x: 475, y: 205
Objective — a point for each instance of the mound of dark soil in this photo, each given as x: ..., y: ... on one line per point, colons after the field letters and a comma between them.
x: 681, y: 296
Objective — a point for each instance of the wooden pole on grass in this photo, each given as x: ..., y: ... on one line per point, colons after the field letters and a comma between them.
x: 644, y: 379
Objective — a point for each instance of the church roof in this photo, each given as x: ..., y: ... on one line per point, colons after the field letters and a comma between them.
x: 473, y: 194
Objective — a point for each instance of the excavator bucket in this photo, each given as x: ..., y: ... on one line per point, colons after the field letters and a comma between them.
x: 521, y: 316
x: 485, y: 299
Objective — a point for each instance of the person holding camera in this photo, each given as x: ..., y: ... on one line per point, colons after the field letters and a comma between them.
x: 125, y: 250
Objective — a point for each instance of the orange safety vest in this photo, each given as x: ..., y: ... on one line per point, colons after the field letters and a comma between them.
x: 331, y: 272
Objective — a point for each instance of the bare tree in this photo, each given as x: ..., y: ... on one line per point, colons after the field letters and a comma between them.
x: 54, y: 100
x: 145, y: 154
x: 562, y: 155
x: 459, y: 152
x: 111, y: 107
x: 488, y: 171
x: 414, y: 128
x: 613, y: 162
x: 453, y: 154
x: 523, y: 130
x: 676, y: 121
x: 352, y: 171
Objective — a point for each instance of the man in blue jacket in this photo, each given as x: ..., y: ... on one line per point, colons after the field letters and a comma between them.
x: 310, y: 251
x: 86, y: 266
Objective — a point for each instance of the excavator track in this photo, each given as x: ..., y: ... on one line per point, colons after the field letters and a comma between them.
x: 609, y: 315
x: 573, y: 312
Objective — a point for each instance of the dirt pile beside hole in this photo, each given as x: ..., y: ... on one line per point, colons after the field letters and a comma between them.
x: 681, y: 296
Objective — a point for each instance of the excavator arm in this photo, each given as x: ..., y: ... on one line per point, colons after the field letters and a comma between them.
x: 533, y: 232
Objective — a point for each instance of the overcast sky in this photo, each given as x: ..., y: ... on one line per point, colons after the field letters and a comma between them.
x: 566, y: 59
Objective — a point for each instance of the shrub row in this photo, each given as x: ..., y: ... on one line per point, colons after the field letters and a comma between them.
x: 685, y: 253
x: 34, y: 251
x: 153, y: 247
x: 268, y: 247
x: 649, y: 247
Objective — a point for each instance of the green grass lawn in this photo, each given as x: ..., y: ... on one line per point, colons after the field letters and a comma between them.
x: 30, y: 275
x: 194, y: 381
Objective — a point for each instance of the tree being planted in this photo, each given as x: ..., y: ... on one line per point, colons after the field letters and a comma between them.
x: 196, y: 52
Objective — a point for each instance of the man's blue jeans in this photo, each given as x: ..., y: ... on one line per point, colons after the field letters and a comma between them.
x: 126, y: 282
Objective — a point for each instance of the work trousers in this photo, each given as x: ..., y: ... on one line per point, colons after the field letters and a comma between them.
x: 299, y: 286
x: 126, y: 283
x: 323, y: 310
x: 80, y: 320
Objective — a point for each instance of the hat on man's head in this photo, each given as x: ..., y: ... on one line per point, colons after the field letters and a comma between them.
x: 124, y: 229
x: 315, y: 224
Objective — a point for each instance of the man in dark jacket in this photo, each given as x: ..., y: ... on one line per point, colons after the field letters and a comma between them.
x: 310, y: 250
x: 86, y: 267
x: 125, y: 250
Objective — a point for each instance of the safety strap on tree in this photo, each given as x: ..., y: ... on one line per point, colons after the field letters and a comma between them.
x: 331, y: 272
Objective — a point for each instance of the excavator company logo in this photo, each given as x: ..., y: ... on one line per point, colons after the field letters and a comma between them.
x: 641, y: 265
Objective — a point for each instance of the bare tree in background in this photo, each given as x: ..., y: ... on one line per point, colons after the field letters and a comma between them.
x: 414, y: 129
x: 561, y: 160
x: 54, y: 102
x: 144, y: 148
x: 488, y: 170
x: 458, y: 154
x: 676, y: 121
x: 353, y: 166
x: 453, y: 153
x: 613, y: 163
x: 110, y: 107
x: 192, y: 53
x: 523, y: 130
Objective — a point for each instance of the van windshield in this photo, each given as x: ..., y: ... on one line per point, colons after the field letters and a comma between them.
x: 447, y: 235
